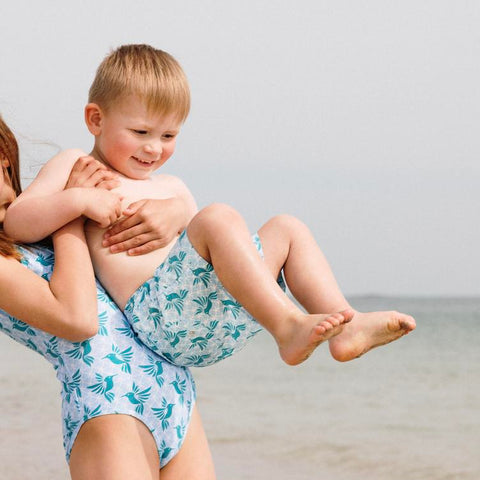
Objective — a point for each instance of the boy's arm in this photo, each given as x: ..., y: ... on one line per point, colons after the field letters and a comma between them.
x: 46, y: 205
x: 151, y: 224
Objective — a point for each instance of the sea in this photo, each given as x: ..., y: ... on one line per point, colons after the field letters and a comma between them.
x: 405, y: 411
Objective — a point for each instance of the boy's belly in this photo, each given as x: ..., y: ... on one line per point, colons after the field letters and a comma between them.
x: 119, y: 273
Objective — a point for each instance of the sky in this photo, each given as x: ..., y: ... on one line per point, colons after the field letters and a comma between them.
x: 359, y: 117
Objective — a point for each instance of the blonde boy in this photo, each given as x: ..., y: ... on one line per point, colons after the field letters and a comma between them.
x: 194, y: 300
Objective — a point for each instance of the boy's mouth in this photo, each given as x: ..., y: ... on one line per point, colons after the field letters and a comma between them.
x: 147, y: 163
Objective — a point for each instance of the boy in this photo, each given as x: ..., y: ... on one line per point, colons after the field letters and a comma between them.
x: 193, y: 300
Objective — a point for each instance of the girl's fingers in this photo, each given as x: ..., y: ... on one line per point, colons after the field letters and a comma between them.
x: 125, y: 224
x: 122, y: 235
x: 134, y: 242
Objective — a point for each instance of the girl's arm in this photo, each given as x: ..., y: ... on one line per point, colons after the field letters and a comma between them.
x: 67, y: 305
x: 46, y: 205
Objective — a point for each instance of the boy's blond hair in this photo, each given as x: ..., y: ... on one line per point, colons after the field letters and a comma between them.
x: 148, y: 73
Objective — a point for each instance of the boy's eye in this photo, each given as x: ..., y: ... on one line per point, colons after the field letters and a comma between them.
x: 140, y: 132
x: 169, y: 136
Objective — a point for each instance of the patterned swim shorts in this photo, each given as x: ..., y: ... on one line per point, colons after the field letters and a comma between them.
x: 184, y: 313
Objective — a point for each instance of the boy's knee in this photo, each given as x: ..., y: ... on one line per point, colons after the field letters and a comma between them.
x: 217, y: 214
x: 285, y: 221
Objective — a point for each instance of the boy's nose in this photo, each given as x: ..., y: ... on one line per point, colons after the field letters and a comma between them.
x: 153, y: 148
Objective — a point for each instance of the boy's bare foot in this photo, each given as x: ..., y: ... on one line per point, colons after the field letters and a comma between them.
x: 308, y: 332
x: 369, y: 330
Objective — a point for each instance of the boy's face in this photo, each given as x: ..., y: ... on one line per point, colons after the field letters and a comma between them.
x: 133, y: 140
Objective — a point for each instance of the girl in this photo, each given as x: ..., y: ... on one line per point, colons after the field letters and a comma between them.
x: 126, y: 413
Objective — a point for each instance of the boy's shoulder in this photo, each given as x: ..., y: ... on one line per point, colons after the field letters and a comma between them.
x: 69, y: 154
x: 66, y: 158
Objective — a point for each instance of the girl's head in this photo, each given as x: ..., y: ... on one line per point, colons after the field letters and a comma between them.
x: 9, y: 181
x: 149, y: 74
x: 9, y: 156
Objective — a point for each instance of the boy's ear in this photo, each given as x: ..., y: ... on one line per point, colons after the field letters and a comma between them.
x: 93, y: 118
x: 5, y: 162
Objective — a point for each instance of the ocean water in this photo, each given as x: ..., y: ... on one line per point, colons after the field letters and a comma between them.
x: 409, y: 410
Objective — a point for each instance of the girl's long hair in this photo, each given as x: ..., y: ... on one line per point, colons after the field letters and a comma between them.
x: 9, y: 150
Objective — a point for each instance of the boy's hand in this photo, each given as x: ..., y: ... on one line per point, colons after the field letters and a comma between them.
x: 88, y: 172
x: 147, y: 225
x: 101, y: 206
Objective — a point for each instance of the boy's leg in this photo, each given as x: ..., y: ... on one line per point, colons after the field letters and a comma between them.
x: 311, y: 281
x: 220, y: 236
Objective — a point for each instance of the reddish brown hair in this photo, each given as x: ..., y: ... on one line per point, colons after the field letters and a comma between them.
x: 11, y: 173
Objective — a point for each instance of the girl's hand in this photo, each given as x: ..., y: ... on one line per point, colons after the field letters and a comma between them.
x: 147, y: 225
x: 88, y: 173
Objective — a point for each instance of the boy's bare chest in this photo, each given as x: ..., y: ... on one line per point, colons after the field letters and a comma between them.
x: 157, y: 187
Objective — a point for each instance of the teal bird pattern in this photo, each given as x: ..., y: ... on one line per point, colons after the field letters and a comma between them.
x: 174, y: 337
x: 102, y: 324
x: 70, y: 426
x: 175, y: 264
x: 155, y: 316
x: 81, y: 351
x: 127, y: 331
x: 104, y: 386
x: 226, y: 352
x: 180, y: 430
x: 52, y: 350
x: 71, y: 386
x: 164, y: 413
x: 171, y: 357
x: 165, y: 451
x: 29, y: 343
x: 234, y: 330
x: 154, y: 369
x: 122, y: 358
x: 175, y: 300
x: 22, y: 327
x: 205, y: 303
x: 88, y: 413
x: 230, y: 306
x: 104, y: 298
x: 138, y: 397
x: 197, y: 360
x: 202, y: 275
x: 180, y: 387
x: 199, y: 342
x: 144, y: 291
x: 44, y: 259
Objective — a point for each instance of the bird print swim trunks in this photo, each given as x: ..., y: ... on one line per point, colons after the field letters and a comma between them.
x: 184, y: 313
x: 110, y: 373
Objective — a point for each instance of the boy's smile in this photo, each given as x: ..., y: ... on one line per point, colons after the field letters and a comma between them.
x: 131, y: 139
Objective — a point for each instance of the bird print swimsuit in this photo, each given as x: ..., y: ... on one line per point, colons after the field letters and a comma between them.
x: 110, y: 373
x: 184, y: 313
